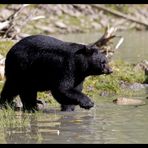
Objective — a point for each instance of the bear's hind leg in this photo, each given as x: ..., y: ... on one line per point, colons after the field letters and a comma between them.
x: 28, y: 98
x: 8, y: 93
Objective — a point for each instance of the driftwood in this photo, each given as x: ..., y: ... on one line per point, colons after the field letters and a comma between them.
x: 119, y: 14
x: 8, y: 26
x: 104, y: 43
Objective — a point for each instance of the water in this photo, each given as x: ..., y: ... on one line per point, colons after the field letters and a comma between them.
x: 133, y: 49
x: 105, y: 123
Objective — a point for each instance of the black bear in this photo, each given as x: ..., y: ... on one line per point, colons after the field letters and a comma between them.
x: 42, y: 63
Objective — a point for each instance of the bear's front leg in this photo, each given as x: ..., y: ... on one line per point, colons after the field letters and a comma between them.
x: 72, y: 97
x: 70, y: 108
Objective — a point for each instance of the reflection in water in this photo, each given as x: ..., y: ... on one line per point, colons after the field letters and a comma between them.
x: 105, y: 123
x: 76, y: 127
x: 22, y: 134
x: 51, y: 128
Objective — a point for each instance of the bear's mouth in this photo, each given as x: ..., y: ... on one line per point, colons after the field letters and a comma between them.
x: 107, y: 71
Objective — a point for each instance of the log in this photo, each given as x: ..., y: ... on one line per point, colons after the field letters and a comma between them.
x: 128, y: 101
x: 120, y: 14
x: 104, y: 43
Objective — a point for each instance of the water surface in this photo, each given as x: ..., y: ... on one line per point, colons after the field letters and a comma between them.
x: 133, y: 49
x: 105, y: 123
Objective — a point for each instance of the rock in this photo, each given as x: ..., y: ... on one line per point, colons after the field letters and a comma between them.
x: 142, y: 65
x: 41, y: 104
x: 4, y: 25
x: 2, y: 60
x: 2, y: 72
x: 60, y: 25
x: 96, y: 25
x: 137, y: 86
x: 128, y: 101
x: 17, y: 104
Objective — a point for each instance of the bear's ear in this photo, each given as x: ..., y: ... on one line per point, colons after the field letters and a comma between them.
x: 86, y: 50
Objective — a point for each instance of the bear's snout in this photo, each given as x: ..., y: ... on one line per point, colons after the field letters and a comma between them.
x: 107, y: 70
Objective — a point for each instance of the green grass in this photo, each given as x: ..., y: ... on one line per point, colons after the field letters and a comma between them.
x: 123, y: 72
x: 120, y: 7
x: 48, y: 98
x: 5, y: 46
x: 2, y: 6
x: 11, y: 118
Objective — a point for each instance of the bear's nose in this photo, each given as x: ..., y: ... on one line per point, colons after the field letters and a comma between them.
x: 107, y: 71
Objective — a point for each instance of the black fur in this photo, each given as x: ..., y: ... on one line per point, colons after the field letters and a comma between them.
x: 41, y: 63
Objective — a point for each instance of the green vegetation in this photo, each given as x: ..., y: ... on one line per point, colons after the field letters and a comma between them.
x: 10, y: 118
x: 5, y: 46
x: 48, y: 98
x: 120, y: 7
x: 124, y: 74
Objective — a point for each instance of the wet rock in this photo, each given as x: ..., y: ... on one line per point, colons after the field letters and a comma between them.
x: 17, y: 104
x: 128, y: 101
x: 136, y: 86
x: 142, y: 65
x: 41, y: 104
x: 60, y: 25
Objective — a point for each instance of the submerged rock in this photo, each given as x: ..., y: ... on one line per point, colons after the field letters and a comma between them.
x: 17, y: 104
x: 41, y: 104
x: 128, y: 101
x: 137, y: 86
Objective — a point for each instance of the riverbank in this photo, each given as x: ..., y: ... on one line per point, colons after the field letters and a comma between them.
x: 73, y: 18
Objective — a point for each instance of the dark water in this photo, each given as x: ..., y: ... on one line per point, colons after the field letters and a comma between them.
x: 105, y: 123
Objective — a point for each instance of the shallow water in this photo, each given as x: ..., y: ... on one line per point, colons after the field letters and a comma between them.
x: 105, y: 123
